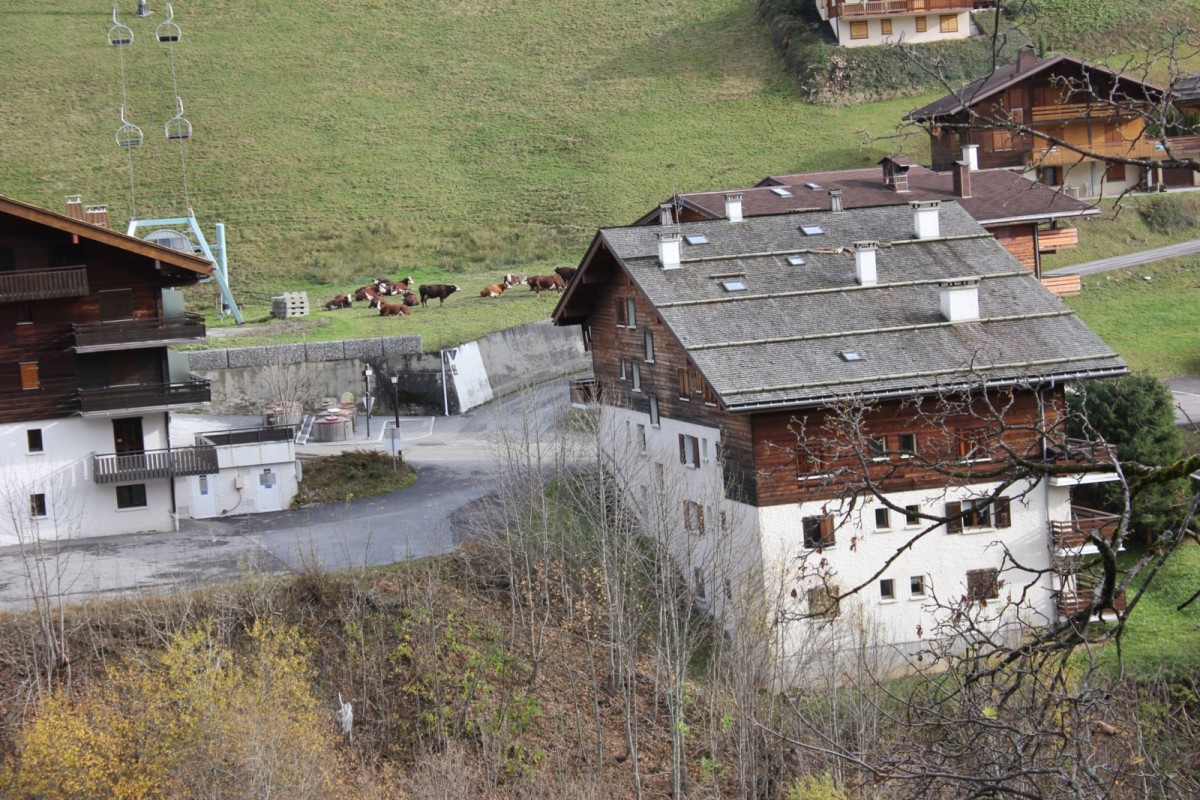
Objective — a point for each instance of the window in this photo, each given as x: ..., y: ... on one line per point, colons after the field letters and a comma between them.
x: 624, y: 370
x: 887, y: 589
x: 916, y: 586
x: 630, y: 312
x: 33, y: 438
x: 912, y: 515
x: 698, y: 577
x: 710, y: 397
x: 978, y: 514
x: 622, y: 319
x: 906, y: 444
x: 948, y: 23
x: 858, y: 30
x: 877, y: 445
x: 116, y: 305
x: 885, y: 27
x: 30, y: 376
x: 131, y: 496
x: 685, y: 387
x: 37, y: 505
x: 823, y: 600
x: 695, y: 238
x: 725, y: 526
x: 1115, y: 172
x: 693, y: 517
x: 922, y: 24
x: 973, y: 444
x: 728, y: 589
x: 1002, y: 139
x: 818, y: 532
x: 24, y: 312
x: 882, y: 518
x: 636, y: 372
x: 641, y: 438
x: 649, y: 347
x: 983, y: 584
x: 203, y: 485
x: 654, y: 410
x: 689, y: 450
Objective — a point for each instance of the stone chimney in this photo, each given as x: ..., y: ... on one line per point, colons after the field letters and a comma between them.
x: 666, y: 214
x: 1026, y: 58
x: 835, y: 201
x: 733, y: 207
x: 865, y: 271
x: 925, y: 218
x: 98, y: 216
x: 75, y: 206
x: 960, y: 300
x: 970, y: 155
x: 962, y: 179
x: 668, y: 250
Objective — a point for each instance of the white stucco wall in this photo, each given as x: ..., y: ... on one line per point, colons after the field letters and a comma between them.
x: 904, y: 29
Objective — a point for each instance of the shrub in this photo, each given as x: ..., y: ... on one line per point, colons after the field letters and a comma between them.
x: 1173, y: 214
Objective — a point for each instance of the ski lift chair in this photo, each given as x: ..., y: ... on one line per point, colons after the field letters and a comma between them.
x: 119, y: 35
x: 167, y: 30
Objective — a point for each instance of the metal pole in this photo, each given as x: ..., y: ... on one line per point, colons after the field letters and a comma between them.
x: 396, y: 430
x: 367, y: 397
x: 445, y: 395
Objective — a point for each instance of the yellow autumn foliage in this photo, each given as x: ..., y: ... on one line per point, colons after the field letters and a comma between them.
x: 201, y: 722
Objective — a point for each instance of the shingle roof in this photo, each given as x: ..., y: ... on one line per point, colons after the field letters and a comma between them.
x: 778, y: 343
x: 1187, y: 90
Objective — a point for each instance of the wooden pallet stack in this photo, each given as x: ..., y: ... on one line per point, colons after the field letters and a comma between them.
x: 290, y: 304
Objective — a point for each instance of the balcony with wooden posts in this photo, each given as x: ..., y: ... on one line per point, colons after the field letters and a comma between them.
x: 126, y: 334
x: 1051, y: 241
x: 892, y: 8
x: 1072, y: 602
x: 585, y: 392
x: 1082, y: 453
x: 1098, y: 110
x: 148, y: 465
x: 107, y: 400
x: 1079, y: 533
x: 1056, y: 156
x: 43, y: 284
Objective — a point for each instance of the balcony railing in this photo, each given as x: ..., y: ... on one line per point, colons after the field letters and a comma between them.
x: 1184, y: 145
x: 43, y: 284
x: 1071, y: 603
x: 1098, y: 110
x: 149, y: 465
x: 273, y: 433
x: 121, y: 398
x: 1052, y: 241
x: 154, y: 332
x: 887, y: 8
x: 1082, y: 451
x: 1085, y: 523
x: 1058, y: 156
x: 585, y: 392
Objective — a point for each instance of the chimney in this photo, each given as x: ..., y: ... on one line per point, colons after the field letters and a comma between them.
x: 733, y: 206
x: 864, y: 263
x: 900, y: 179
x: 925, y: 218
x: 668, y: 250
x: 971, y: 156
x: 98, y: 216
x: 962, y: 179
x: 75, y: 206
x: 960, y: 300
x: 1026, y: 58
x: 835, y: 201
x: 665, y: 215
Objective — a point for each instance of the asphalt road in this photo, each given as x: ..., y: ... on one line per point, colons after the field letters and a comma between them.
x: 1130, y: 259
x: 456, y: 462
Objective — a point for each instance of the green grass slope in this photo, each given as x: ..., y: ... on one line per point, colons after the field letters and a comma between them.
x: 341, y: 140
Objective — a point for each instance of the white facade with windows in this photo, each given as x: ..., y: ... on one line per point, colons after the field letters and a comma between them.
x: 855, y: 25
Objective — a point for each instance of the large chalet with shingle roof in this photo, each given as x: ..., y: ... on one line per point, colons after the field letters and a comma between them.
x: 723, y: 350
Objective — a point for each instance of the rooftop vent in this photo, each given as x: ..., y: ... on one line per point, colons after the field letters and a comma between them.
x: 733, y: 207
x: 668, y: 250
x: 781, y: 191
x: 75, y: 206
x: 695, y: 238
x: 970, y: 153
x: 925, y: 218
x: 865, y: 271
x: 795, y: 261
x: 960, y: 300
x: 97, y: 215
x: 962, y: 179
x: 835, y: 201
x: 812, y: 230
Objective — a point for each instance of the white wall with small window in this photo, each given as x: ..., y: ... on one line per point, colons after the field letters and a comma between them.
x: 253, y: 478
x: 911, y: 29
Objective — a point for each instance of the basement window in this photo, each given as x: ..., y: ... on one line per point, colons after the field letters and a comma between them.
x: 696, y: 238
x: 795, y: 261
x: 812, y: 230
x: 781, y: 191
x: 734, y: 285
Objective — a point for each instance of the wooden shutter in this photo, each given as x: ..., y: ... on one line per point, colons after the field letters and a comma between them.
x: 683, y: 382
x: 954, y: 518
x: 826, y: 528
x: 1003, y: 514
x: 30, y: 376
x: 621, y: 321
x: 682, y: 449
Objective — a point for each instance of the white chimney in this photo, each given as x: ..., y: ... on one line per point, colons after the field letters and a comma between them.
x: 971, y: 156
x: 668, y: 250
x: 925, y: 218
x: 665, y: 215
x: 733, y: 207
x: 864, y: 263
x: 960, y: 300
x: 835, y: 200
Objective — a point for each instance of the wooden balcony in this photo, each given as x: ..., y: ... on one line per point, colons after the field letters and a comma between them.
x: 1060, y: 156
x: 1079, y: 452
x: 890, y: 8
x: 151, y: 465
x: 128, y: 334
x: 1051, y: 241
x: 1071, y: 603
x: 1098, y: 110
x: 43, y: 284
x: 1184, y: 145
x: 105, y: 400
x: 1077, y: 533
x: 585, y: 392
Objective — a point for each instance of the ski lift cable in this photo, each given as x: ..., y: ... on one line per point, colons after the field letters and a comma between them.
x: 169, y: 32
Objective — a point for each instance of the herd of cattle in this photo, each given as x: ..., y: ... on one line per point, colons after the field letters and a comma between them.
x: 374, y: 293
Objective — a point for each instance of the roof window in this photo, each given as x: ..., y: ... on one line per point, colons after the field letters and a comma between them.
x: 850, y: 355
x: 781, y: 191
x: 812, y: 230
x: 795, y: 261
x: 813, y: 186
x: 695, y: 238
x: 734, y: 285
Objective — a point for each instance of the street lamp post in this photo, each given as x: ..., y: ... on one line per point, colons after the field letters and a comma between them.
x: 367, y: 373
x: 396, y: 429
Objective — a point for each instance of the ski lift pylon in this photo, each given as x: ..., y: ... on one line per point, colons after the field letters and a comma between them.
x: 128, y: 135
x: 167, y: 30
x: 178, y: 128
x: 119, y: 35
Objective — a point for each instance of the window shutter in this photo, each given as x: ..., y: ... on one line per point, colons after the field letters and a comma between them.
x: 683, y: 382
x: 954, y: 518
x: 1003, y: 514
x: 699, y: 519
x: 621, y: 311
x: 826, y: 528
x: 682, y: 450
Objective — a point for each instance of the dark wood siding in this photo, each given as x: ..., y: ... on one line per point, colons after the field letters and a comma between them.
x: 1020, y: 241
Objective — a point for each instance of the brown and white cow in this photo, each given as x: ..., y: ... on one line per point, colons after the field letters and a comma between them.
x: 545, y: 283
x: 495, y: 290
x: 341, y: 301
x: 386, y: 309
x: 511, y: 280
x: 440, y: 291
x: 411, y: 299
x: 366, y: 293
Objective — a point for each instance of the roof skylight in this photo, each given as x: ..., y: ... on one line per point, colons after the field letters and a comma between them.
x: 813, y: 186
x: 850, y: 355
x: 734, y: 285
x: 796, y: 261
x: 812, y: 230
x: 695, y: 238
x: 781, y: 191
